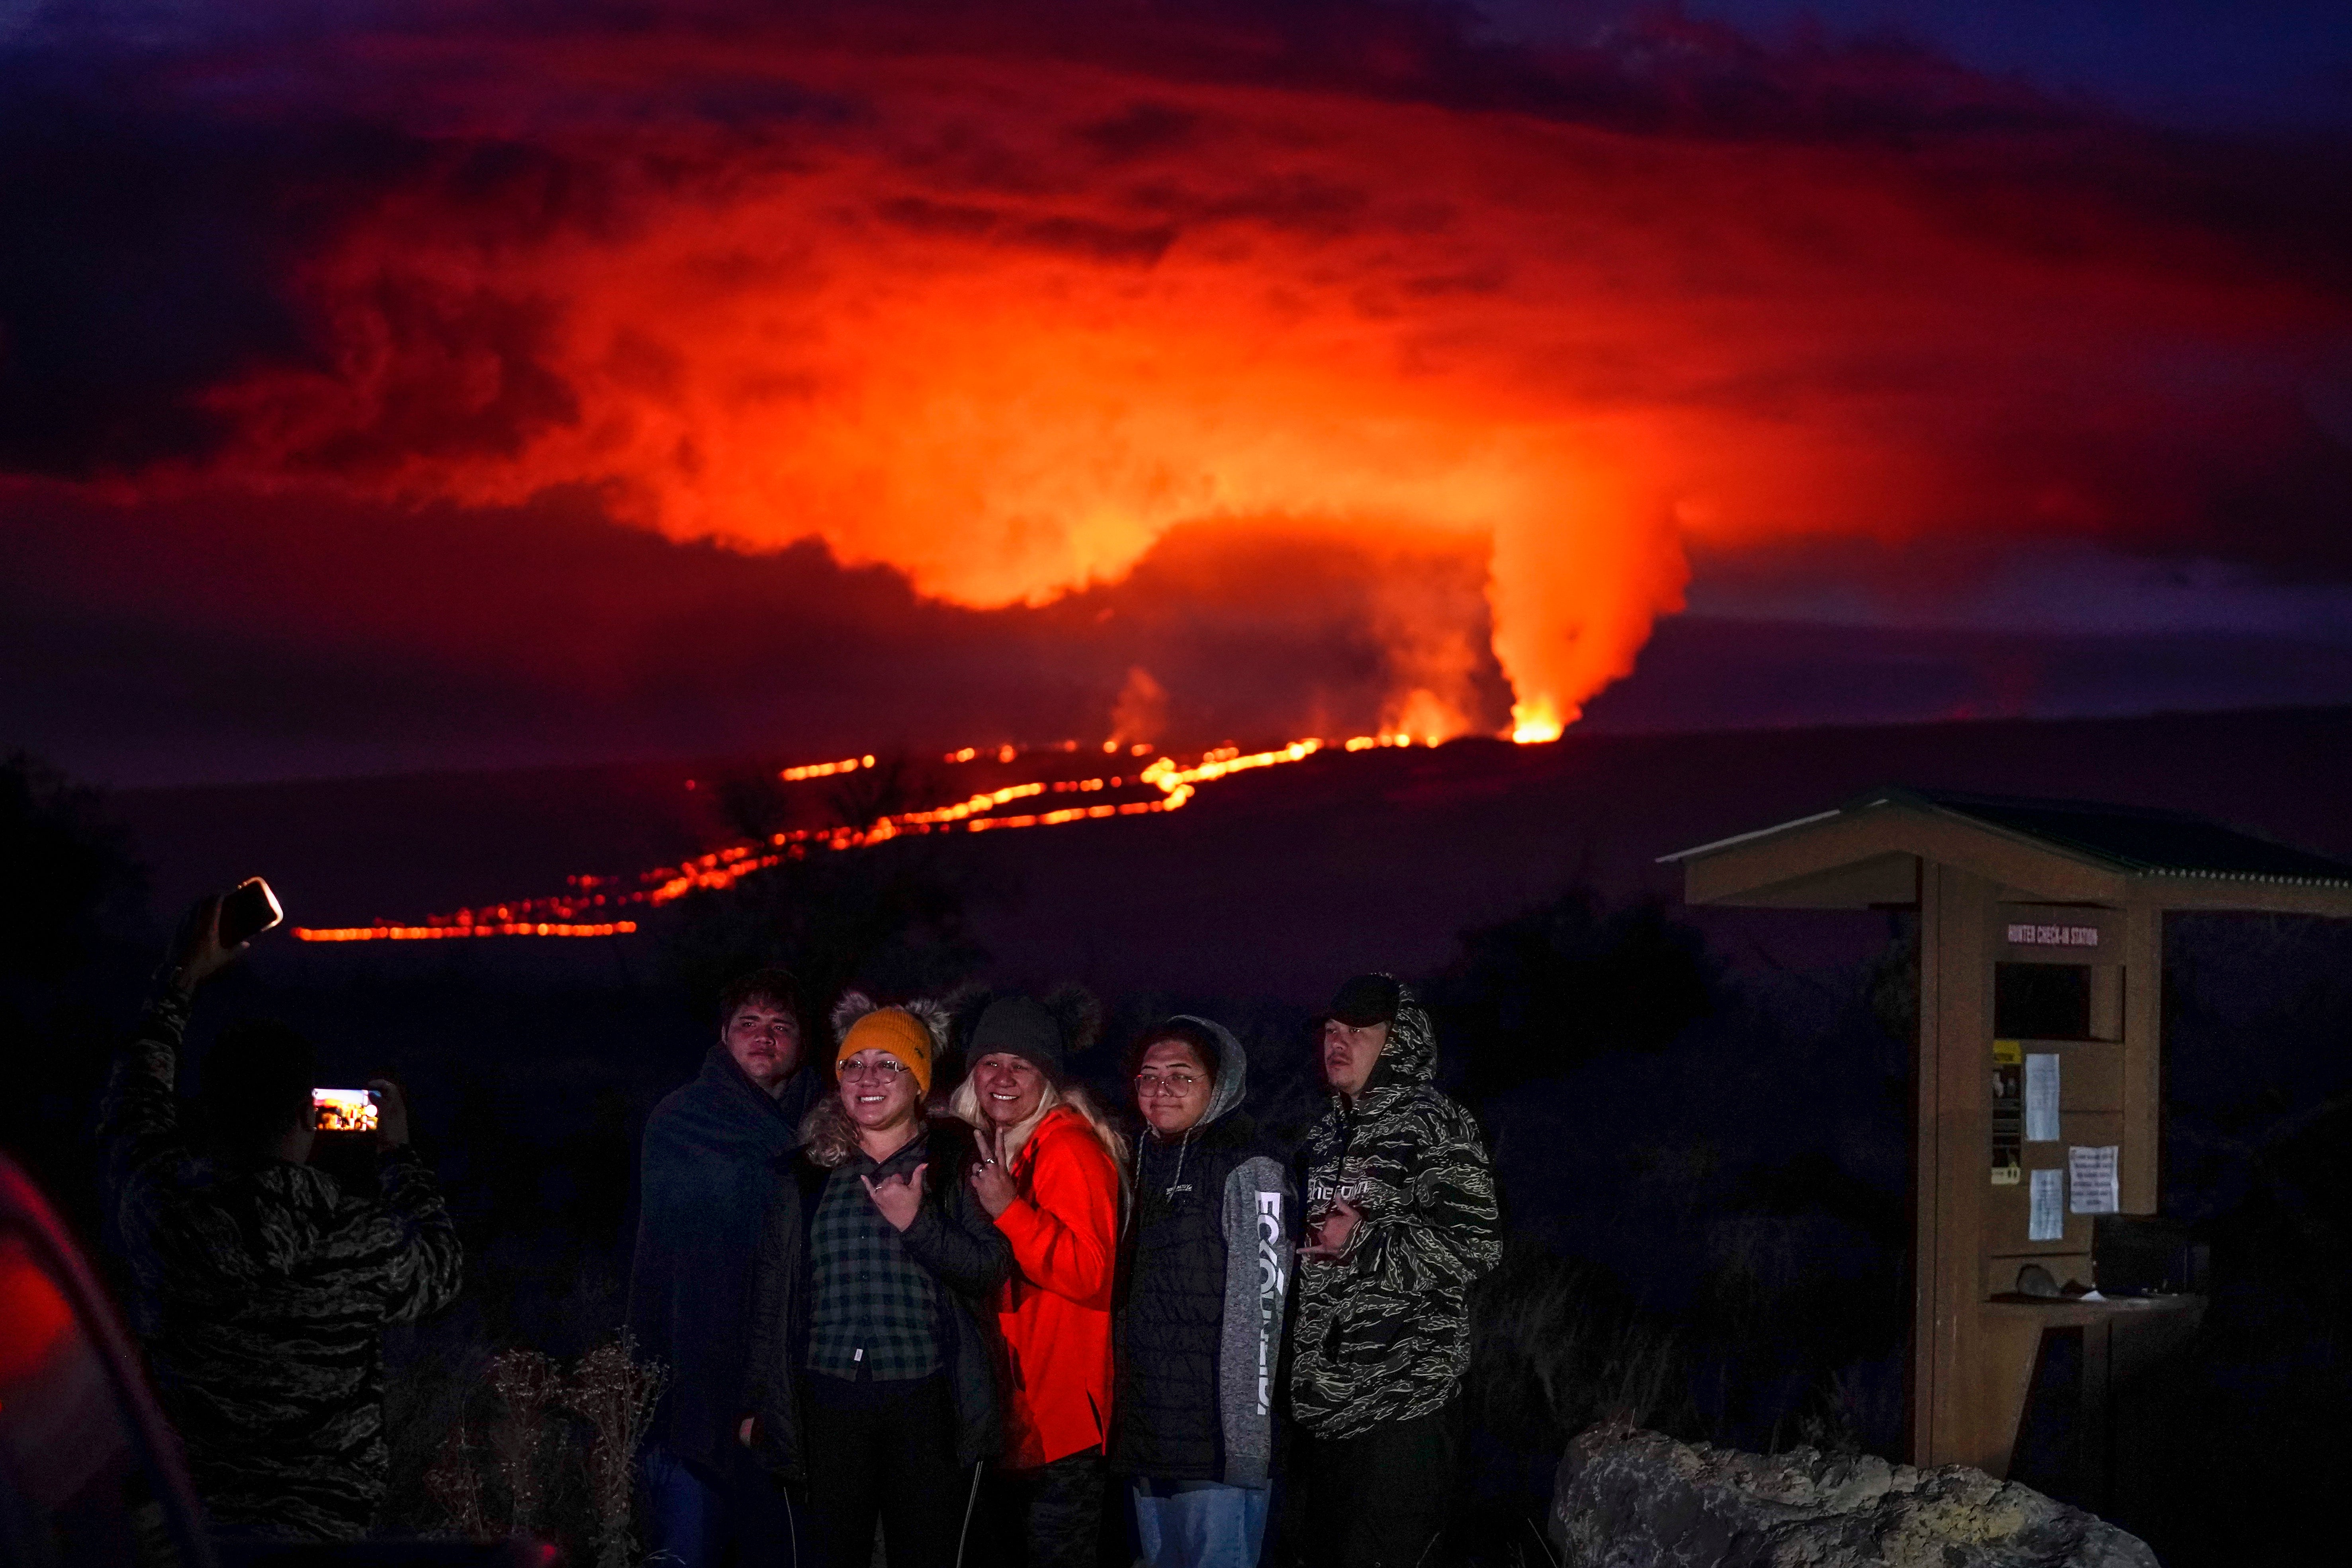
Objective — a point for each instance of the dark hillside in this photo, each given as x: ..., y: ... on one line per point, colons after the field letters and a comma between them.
x: 1698, y: 1118
x: 1269, y: 882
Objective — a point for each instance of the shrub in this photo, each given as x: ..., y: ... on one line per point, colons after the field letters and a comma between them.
x: 553, y: 1456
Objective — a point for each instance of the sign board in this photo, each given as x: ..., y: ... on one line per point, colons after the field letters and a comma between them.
x: 2008, y: 1113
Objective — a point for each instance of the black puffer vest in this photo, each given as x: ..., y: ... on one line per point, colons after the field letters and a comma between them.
x: 1172, y: 1305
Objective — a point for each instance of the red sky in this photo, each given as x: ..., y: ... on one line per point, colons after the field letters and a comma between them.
x: 1022, y: 338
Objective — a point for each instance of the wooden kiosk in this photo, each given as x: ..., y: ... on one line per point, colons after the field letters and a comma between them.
x: 2039, y: 1067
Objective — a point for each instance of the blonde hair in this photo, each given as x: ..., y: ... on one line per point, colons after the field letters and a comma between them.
x: 964, y: 1105
x: 827, y: 1135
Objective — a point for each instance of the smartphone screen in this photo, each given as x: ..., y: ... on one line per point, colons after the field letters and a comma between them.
x: 342, y: 1111
x: 247, y: 910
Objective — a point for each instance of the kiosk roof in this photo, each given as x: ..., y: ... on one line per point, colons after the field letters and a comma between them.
x: 2024, y: 843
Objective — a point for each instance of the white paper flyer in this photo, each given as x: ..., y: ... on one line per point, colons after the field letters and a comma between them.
x: 2047, y: 1221
x: 2091, y: 1179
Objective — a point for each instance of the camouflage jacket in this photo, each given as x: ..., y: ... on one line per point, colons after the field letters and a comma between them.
x: 262, y: 1294
x: 1382, y: 1333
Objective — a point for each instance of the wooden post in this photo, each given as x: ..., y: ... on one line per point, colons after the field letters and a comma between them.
x: 2137, y: 1180
x: 1954, y: 1133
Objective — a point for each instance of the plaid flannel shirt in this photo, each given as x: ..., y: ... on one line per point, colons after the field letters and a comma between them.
x: 874, y: 1312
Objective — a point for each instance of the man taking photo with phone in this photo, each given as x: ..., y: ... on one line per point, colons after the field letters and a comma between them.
x: 712, y: 1150
x: 263, y: 1287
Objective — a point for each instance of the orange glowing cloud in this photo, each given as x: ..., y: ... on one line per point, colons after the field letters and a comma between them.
x: 1005, y: 322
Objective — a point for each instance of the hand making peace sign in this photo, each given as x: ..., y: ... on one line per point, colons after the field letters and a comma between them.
x: 992, y: 1182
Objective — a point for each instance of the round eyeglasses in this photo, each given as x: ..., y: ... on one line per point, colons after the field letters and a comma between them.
x: 1149, y: 1083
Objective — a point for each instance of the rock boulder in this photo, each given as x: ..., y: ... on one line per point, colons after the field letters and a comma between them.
x: 1632, y: 1498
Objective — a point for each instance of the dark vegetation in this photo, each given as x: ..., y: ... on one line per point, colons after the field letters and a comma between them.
x: 1703, y: 1166
x: 72, y: 937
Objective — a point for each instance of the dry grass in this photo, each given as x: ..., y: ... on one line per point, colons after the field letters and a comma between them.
x: 547, y: 1451
x: 615, y: 1393
x: 1552, y: 1354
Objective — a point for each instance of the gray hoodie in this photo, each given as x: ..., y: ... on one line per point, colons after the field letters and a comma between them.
x: 1201, y: 1303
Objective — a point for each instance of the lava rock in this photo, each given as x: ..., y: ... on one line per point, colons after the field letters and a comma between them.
x: 1632, y: 1498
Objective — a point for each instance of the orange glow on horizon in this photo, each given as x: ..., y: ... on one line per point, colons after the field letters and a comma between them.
x: 558, y: 915
x: 466, y: 928
x: 1006, y: 320
x: 820, y: 770
x: 1534, y: 722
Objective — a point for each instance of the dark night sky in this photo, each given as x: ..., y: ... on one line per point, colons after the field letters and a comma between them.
x: 472, y: 384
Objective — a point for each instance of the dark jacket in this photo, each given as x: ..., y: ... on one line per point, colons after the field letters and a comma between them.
x: 263, y: 1291
x: 951, y: 1236
x: 709, y: 1163
x: 1205, y: 1266
x: 1383, y: 1331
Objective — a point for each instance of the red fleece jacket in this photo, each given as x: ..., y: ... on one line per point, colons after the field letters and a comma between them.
x: 1056, y: 1310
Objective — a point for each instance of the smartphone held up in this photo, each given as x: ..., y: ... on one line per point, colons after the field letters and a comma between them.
x: 246, y: 910
x: 343, y: 1109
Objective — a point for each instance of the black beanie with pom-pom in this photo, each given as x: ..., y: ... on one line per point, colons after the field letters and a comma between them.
x: 1024, y: 1027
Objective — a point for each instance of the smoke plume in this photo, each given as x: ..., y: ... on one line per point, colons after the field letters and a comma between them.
x: 1002, y: 302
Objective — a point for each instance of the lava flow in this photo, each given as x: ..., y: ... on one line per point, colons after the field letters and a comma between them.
x: 601, y: 906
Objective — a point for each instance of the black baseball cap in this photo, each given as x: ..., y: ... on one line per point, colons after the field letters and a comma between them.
x: 1366, y: 1000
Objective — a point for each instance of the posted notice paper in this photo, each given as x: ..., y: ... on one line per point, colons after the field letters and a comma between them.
x: 2091, y: 1179
x: 2047, y: 1220
x: 2042, y: 1099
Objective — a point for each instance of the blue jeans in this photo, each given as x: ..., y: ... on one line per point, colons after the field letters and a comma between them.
x: 1199, y: 1524
x: 700, y: 1519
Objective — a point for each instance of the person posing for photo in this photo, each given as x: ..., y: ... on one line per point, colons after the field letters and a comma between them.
x: 1050, y: 1174
x: 1401, y: 1222
x: 871, y: 1386
x: 1204, y: 1268
x: 712, y: 1150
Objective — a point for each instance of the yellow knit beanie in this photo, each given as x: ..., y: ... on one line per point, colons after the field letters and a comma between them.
x: 897, y: 1031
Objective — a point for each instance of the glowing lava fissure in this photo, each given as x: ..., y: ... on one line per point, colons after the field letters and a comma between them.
x: 598, y: 905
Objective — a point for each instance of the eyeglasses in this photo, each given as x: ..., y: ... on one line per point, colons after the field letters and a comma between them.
x: 1148, y: 1083
x: 887, y: 1068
